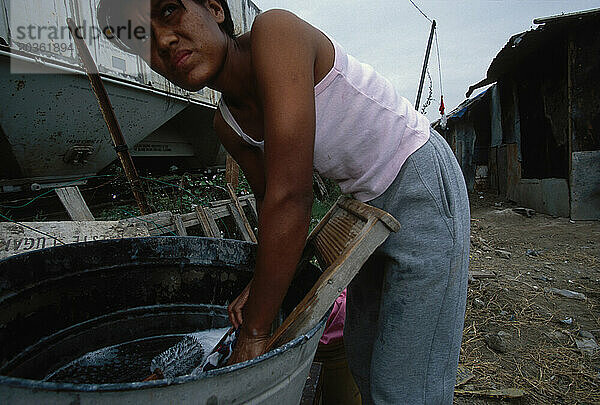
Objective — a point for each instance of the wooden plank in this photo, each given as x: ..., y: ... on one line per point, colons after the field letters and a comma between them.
x: 158, y: 223
x: 513, y: 170
x: 493, y: 169
x: 311, y: 394
x: 322, y: 190
x: 240, y: 223
x: 203, y: 218
x: 571, y: 60
x: 164, y: 223
x: 252, y: 203
x: 232, y: 171
x: 481, y: 274
x: 367, y: 211
x: 502, y: 170
x: 28, y: 236
x: 220, y: 209
x: 212, y: 223
x: 74, y: 203
x: 240, y: 217
x: 504, y: 393
x: 207, y: 222
x: 243, y: 201
x: 463, y: 375
x: 179, y: 228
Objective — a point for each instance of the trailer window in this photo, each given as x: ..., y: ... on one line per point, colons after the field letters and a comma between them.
x: 118, y: 63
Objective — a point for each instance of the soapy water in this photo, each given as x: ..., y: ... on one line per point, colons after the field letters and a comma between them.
x: 127, y: 362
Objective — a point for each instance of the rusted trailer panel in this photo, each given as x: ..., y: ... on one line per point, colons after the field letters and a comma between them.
x: 51, y: 129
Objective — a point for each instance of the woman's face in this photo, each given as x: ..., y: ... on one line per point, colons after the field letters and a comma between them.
x: 187, y: 45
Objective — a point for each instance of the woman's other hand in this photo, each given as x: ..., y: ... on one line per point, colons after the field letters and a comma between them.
x: 248, y: 347
x: 235, y: 308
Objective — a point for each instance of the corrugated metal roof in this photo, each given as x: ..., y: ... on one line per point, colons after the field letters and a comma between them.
x: 462, y: 109
x: 521, y: 45
x: 578, y: 15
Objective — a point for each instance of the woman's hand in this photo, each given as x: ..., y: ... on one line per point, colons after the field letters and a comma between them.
x: 248, y: 347
x: 235, y: 308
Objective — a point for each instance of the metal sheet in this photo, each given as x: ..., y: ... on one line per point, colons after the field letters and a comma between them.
x: 45, y: 116
x: 3, y: 21
x: 496, y: 117
x: 556, y: 197
x: 585, y: 185
x: 43, y: 13
x: 48, y: 115
x: 521, y: 46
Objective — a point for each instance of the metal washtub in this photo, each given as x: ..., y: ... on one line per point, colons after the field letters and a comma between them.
x: 58, y: 304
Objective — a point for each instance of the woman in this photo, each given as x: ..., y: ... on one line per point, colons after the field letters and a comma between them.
x: 292, y: 99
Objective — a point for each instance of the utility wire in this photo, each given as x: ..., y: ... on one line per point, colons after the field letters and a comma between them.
x: 33, y: 229
x: 52, y: 189
x: 437, y: 47
x: 429, y: 96
x: 421, y: 11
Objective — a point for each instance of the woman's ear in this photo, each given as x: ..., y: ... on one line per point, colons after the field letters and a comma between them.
x: 215, y: 8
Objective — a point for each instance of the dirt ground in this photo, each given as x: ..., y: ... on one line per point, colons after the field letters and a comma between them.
x: 519, y: 335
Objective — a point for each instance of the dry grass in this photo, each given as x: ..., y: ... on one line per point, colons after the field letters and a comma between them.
x: 550, y: 370
x: 542, y: 357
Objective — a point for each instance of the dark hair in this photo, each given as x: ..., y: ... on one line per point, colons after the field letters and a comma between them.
x: 227, y: 25
x: 106, y: 9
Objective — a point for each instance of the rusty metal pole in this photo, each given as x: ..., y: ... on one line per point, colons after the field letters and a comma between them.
x: 425, y: 63
x: 110, y: 118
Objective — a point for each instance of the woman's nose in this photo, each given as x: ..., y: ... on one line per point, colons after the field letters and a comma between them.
x: 165, y: 39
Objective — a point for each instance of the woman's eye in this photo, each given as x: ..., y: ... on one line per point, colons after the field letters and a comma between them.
x: 168, y: 10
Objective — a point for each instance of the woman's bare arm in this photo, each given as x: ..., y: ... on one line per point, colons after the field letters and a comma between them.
x: 248, y: 157
x: 283, y: 54
x: 250, y: 160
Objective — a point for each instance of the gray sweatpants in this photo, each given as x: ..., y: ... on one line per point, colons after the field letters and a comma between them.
x: 406, y: 306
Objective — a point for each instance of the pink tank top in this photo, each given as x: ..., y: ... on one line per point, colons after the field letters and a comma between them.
x: 364, y: 130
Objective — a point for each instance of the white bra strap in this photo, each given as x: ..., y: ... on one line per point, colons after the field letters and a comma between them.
x: 229, y: 119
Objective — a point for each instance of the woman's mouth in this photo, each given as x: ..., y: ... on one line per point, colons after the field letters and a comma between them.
x: 181, y: 58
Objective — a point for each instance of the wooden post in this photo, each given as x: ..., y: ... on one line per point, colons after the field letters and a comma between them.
x: 571, y: 53
x: 207, y: 222
x: 240, y: 218
x: 252, y: 204
x: 425, y: 63
x: 232, y: 172
x: 74, y: 203
x: 179, y: 227
x: 110, y: 118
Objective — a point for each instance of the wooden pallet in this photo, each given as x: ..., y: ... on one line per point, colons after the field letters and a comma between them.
x: 164, y: 222
x: 23, y: 237
x: 208, y: 217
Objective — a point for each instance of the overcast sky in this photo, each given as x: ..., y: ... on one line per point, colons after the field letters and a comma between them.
x: 391, y: 35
